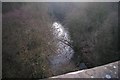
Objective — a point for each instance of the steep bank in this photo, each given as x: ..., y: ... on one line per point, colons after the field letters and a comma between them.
x: 25, y: 48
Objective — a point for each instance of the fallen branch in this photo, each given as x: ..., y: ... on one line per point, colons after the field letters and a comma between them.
x: 64, y: 41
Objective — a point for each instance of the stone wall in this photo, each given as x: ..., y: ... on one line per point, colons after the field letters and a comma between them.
x: 106, y: 71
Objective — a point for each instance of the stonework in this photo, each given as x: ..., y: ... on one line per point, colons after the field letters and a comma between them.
x: 106, y: 71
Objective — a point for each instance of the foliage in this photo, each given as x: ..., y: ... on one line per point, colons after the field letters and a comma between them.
x: 28, y: 40
x: 26, y: 33
x: 93, y: 28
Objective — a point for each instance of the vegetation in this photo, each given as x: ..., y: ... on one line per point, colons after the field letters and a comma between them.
x: 26, y: 33
x: 94, y: 30
x: 28, y: 40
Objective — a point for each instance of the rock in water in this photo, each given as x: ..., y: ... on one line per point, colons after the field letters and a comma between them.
x: 83, y: 66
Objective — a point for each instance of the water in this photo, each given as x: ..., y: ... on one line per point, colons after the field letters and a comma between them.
x: 62, y: 58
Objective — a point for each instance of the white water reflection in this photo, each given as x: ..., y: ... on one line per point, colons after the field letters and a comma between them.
x: 64, y: 51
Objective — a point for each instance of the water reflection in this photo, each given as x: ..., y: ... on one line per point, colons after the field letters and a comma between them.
x: 64, y: 51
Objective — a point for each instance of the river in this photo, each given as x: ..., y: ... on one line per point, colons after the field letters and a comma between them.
x: 61, y: 61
